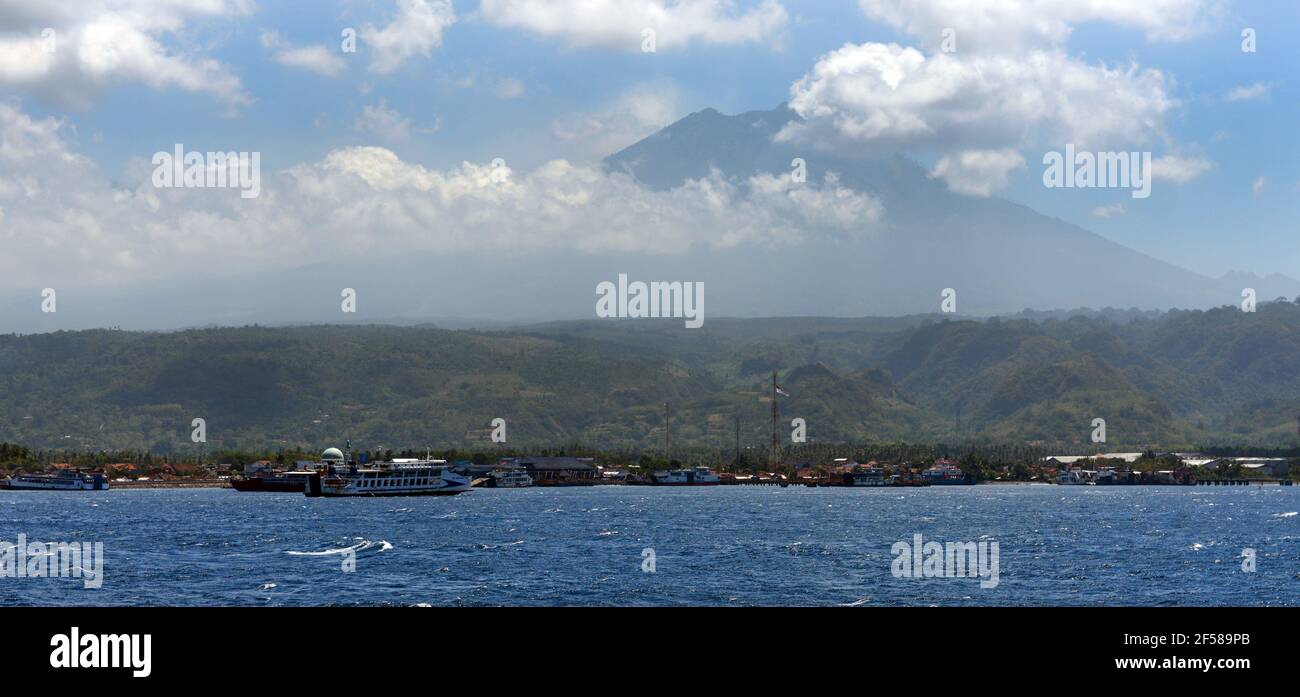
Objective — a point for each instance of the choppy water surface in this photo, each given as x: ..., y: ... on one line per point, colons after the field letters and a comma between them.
x: 711, y: 546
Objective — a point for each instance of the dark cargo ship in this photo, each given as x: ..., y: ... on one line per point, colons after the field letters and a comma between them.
x: 285, y: 482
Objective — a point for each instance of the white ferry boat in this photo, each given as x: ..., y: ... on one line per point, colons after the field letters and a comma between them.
x: 398, y: 477
x: 511, y: 479
x: 697, y: 476
x: 63, y: 480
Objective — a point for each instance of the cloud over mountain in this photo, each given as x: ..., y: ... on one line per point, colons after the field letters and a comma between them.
x: 368, y: 200
x: 1004, y: 81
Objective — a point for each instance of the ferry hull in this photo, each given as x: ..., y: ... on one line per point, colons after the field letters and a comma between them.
x: 368, y: 494
x: 320, y: 487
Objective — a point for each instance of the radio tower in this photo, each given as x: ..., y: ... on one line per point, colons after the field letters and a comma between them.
x: 668, y: 435
x: 735, y: 464
x: 776, y: 442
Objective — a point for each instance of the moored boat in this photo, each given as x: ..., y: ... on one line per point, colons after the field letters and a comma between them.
x: 866, y: 476
x: 63, y: 480
x: 944, y: 473
x: 397, y: 477
x: 1073, y: 477
x: 510, y: 479
x: 281, y: 482
x: 695, y: 476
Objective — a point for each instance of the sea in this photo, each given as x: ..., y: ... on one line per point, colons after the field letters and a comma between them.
x: 654, y: 546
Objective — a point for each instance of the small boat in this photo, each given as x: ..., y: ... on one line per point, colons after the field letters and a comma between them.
x: 63, y: 480
x: 510, y: 479
x: 696, y: 476
x: 397, y: 477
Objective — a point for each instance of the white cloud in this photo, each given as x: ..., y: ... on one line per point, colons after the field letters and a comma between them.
x: 1179, y: 169
x: 383, y: 121
x: 317, y: 58
x: 978, y: 172
x: 1003, y: 25
x: 642, y: 110
x: 508, y: 88
x: 1010, y: 85
x: 388, y: 124
x: 101, y: 43
x: 827, y: 206
x: 618, y: 24
x: 559, y: 205
x: 1257, y: 186
x: 366, y: 200
x: 415, y: 31
x: 1111, y: 211
x: 897, y: 97
x: 1247, y: 93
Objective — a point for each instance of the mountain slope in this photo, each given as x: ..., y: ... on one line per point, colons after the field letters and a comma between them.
x: 1171, y: 380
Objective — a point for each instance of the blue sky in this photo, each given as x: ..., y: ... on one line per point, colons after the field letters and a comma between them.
x: 501, y: 87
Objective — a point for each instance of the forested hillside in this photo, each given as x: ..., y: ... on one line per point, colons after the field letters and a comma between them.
x: 1172, y: 380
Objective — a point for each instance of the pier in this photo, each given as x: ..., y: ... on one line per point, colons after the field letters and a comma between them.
x: 755, y: 481
x: 1242, y: 482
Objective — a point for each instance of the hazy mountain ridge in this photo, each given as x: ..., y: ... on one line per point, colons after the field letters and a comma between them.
x: 1175, y: 380
x: 999, y: 255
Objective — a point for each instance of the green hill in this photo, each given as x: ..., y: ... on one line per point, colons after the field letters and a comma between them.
x: 1172, y: 380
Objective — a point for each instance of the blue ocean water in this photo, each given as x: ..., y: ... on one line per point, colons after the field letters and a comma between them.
x: 711, y: 546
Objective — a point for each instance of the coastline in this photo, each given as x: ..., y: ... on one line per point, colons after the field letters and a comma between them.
x: 172, y: 484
